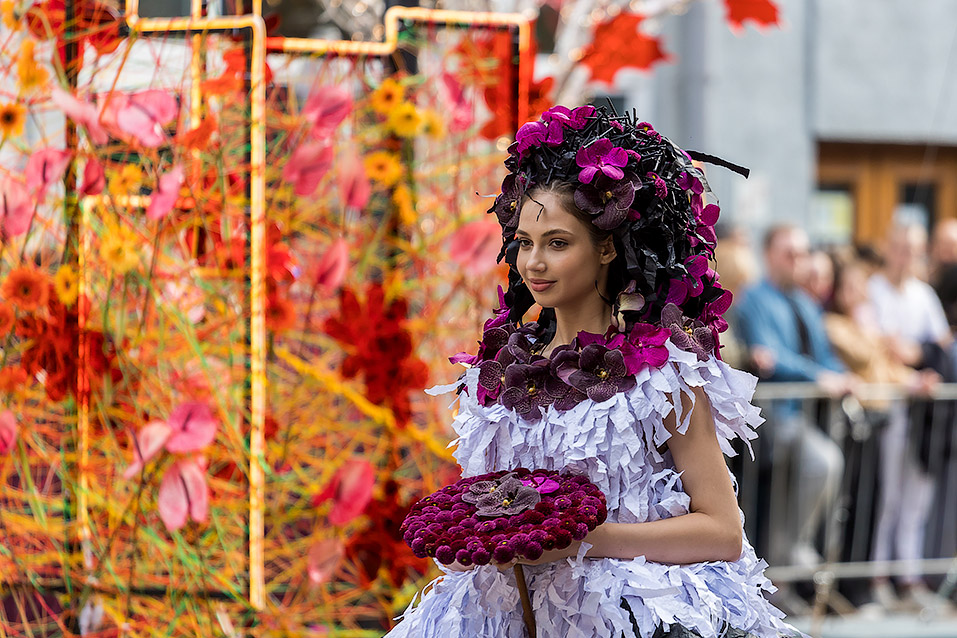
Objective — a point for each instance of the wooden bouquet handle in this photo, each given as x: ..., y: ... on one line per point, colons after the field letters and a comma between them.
x: 527, y: 612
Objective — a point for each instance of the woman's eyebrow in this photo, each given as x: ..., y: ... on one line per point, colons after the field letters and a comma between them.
x: 553, y: 231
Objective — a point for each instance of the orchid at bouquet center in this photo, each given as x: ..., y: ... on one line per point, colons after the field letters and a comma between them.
x: 505, y: 515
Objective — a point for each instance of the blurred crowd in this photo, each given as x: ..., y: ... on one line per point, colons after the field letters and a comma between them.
x: 873, y: 326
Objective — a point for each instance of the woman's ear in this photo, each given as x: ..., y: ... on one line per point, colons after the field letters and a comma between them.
x: 608, y: 252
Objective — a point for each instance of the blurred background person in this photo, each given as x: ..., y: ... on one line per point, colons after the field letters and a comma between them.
x: 859, y: 343
x: 943, y: 275
x: 777, y: 315
x: 818, y: 279
x: 736, y: 263
x: 916, y: 334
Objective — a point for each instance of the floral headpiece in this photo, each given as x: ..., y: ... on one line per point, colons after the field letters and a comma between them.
x: 643, y: 189
x: 636, y: 184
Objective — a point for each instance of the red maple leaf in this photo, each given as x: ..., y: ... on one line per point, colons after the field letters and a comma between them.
x: 619, y: 44
x: 764, y: 13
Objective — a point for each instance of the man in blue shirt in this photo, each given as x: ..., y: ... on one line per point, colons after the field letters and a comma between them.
x: 782, y: 322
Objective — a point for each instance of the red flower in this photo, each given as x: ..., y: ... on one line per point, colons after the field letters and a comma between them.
x: 381, y: 348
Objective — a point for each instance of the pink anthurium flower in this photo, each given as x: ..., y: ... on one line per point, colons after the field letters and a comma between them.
x: 45, y: 167
x: 323, y: 559
x: 453, y: 95
x: 81, y: 112
x: 307, y: 165
x: 16, y: 206
x: 146, y: 443
x: 183, y: 494
x: 193, y: 427
x: 166, y: 193
x: 475, y: 246
x: 354, y: 185
x: 93, y: 178
x: 8, y: 431
x: 326, y: 108
x: 350, y: 491
x: 143, y: 115
x: 333, y: 265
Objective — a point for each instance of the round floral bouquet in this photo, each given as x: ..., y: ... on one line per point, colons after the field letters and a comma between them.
x: 506, y: 515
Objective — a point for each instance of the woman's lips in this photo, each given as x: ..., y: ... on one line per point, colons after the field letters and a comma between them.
x: 540, y: 286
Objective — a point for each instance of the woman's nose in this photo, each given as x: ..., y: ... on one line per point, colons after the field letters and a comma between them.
x: 536, y: 261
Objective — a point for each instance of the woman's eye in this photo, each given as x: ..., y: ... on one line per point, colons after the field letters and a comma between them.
x: 559, y: 243
x: 524, y: 243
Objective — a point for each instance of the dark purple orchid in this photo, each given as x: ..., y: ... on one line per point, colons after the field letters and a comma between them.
x: 600, y: 372
x: 563, y: 396
x: 692, y: 336
x: 649, y: 342
x: 525, y: 388
x: 506, y: 207
x: 608, y: 201
x: 571, y: 118
x: 601, y: 156
x: 505, y: 496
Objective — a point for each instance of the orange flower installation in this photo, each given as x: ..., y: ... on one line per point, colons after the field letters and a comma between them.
x: 26, y: 288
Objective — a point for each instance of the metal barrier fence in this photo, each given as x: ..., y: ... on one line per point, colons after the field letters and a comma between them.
x: 812, y: 496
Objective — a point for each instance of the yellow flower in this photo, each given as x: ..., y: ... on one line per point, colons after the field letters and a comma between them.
x: 31, y: 74
x: 405, y: 120
x: 12, y: 118
x: 10, y: 21
x: 126, y: 180
x: 402, y: 198
x: 388, y: 96
x: 118, y: 248
x: 383, y: 167
x: 433, y: 125
x: 66, y: 284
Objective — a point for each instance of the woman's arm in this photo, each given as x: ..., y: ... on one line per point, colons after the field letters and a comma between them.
x: 712, y: 529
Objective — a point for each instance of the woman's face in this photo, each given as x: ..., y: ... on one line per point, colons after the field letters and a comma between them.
x: 852, y: 289
x: 556, y: 257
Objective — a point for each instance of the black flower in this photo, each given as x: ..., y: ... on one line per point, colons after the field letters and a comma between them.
x: 692, y: 336
x: 505, y: 496
x: 609, y: 200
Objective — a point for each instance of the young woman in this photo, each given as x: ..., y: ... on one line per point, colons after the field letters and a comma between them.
x: 606, y: 229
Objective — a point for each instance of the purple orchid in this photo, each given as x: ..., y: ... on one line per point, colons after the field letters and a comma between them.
x: 697, y: 270
x: 712, y: 314
x: 649, y: 130
x: 601, y: 156
x: 707, y: 218
x: 563, y: 396
x: 506, y: 204
x: 692, y: 336
x: 649, y: 342
x: 688, y: 182
x: 535, y: 134
x: 492, y: 374
x: 525, y: 388
x: 542, y: 484
x: 571, y: 118
x: 661, y: 188
x: 601, y: 372
x: 505, y: 496
x: 609, y: 202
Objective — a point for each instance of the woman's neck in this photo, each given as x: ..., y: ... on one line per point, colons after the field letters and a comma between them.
x: 569, y: 322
